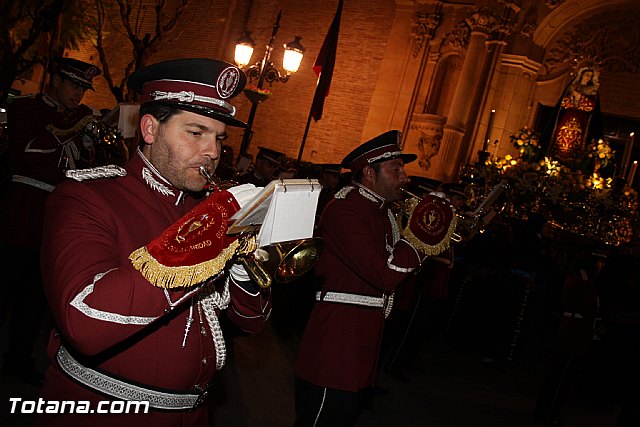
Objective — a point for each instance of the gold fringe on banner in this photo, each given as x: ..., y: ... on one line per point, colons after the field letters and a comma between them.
x: 186, y: 276
x: 431, y: 250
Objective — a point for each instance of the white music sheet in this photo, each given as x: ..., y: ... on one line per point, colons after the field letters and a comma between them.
x: 285, y: 209
x: 291, y: 215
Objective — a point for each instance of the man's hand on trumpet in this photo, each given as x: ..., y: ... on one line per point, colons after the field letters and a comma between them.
x: 248, y: 254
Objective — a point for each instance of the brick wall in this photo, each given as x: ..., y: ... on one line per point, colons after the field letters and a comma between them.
x: 211, y: 31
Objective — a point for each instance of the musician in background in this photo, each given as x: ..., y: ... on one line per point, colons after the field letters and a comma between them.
x: 266, y: 168
x: 45, y: 139
x: 138, y: 268
x: 366, y: 256
x: 574, y: 340
x: 329, y: 179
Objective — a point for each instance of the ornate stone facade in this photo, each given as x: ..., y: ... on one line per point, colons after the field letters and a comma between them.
x: 432, y: 69
x: 610, y: 37
x: 423, y: 29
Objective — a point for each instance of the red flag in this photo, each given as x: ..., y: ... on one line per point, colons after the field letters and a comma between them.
x: 323, y: 67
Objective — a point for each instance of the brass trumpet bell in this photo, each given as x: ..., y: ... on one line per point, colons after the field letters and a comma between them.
x: 296, y: 258
x: 283, y: 262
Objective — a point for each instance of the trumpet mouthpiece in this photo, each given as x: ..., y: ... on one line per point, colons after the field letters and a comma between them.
x: 210, y: 179
x: 410, y: 194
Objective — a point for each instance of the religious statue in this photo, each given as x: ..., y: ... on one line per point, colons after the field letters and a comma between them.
x: 577, y: 107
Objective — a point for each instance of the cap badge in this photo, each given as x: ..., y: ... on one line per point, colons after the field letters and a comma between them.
x: 228, y: 82
x: 91, y: 72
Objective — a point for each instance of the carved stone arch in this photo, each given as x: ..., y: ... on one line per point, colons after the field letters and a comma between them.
x: 447, y: 74
x: 607, y: 33
x: 570, y: 12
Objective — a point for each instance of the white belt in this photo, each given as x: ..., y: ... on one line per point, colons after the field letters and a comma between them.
x: 33, y: 182
x: 574, y: 315
x: 122, y: 390
x: 356, y: 299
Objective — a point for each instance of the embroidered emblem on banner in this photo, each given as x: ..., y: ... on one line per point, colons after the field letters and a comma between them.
x: 193, y: 249
x: 189, y: 235
x: 431, y: 225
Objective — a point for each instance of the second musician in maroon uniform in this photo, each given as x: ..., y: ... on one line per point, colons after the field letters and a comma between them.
x: 366, y: 256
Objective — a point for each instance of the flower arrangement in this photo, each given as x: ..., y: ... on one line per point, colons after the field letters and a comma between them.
x: 579, y: 197
x: 552, y: 167
x: 527, y: 142
x: 256, y: 89
x: 598, y: 182
x: 601, y: 152
x: 256, y: 95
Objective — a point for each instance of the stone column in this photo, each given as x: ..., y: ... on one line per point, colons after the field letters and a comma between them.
x: 423, y: 30
x: 480, y: 23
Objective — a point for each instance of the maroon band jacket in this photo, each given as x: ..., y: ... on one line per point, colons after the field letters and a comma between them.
x: 364, y: 254
x: 38, y: 163
x: 108, y: 316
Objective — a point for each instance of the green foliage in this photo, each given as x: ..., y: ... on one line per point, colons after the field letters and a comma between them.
x: 78, y: 23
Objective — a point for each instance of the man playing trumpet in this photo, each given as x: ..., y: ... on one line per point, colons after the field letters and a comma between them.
x: 43, y: 143
x: 365, y: 257
x: 137, y: 267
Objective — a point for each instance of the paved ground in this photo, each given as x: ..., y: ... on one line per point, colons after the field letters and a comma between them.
x: 455, y: 390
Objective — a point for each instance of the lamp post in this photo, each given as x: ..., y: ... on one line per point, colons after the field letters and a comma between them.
x: 265, y: 71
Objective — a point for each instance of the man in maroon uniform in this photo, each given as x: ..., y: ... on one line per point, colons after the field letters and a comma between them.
x: 137, y: 269
x: 366, y: 256
x: 45, y: 139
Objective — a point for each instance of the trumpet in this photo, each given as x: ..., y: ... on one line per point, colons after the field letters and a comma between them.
x: 286, y: 260
x: 282, y: 262
x: 213, y: 182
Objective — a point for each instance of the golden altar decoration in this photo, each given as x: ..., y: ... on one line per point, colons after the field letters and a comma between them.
x: 581, y: 198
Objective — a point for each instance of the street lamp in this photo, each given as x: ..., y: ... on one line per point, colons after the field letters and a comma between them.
x: 265, y: 71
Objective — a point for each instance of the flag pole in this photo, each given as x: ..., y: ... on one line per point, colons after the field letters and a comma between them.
x: 323, y: 67
x: 304, y: 138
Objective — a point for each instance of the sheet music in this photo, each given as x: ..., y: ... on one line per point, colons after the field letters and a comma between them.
x: 285, y: 208
x: 291, y: 215
x: 254, y: 212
